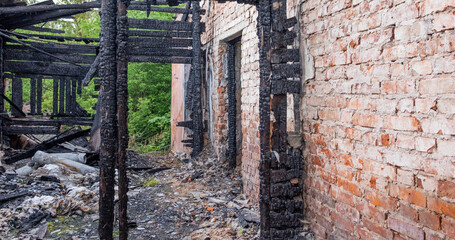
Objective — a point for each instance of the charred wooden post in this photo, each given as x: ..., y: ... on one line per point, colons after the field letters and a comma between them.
x: 232, y: 107
x: 108, y: 111
x: 32, y: 95
x: 39, y: 94
x: 122, y: 114
x: 281, y: 184
x: 264, y: 8
x: 61, y: 98
x: 198, y: 140
x: 67, y: 96
x: 16, y: 95
x: 73, y: 96
x: 55, y: 97
x: 2, y: 80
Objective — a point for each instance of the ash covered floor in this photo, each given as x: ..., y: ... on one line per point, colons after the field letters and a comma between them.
x: 193, y: 199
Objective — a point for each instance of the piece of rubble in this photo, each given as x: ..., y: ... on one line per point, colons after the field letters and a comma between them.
x: 46, y: 158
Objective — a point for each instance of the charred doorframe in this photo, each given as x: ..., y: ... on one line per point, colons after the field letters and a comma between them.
x: 233, y: 81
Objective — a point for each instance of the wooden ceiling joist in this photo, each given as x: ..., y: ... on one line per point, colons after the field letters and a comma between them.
x: 25, y: 55
x: 58, y: 48
x: 42, y: 68
x: 157, y: 59
x: 179, y: 34
x: 160, y: 24
x: 159, y: 42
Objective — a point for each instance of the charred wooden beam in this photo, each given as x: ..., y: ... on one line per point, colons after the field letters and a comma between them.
x: 13, y: 105
x: 73, y: 97
x: 42, y: 29
x: 57, y: 48
x: 159, y: 42
x: 160, y: 24
x: 61, y: 98
x: 28, y: 20
x: 232, y: 106
x: 32, y: 47
x: 2, y: 81
x: 17, y: 96
x: 168, y: 52
x: 185, y: 124
x: 46, y: 8
x: 285, y: 55
x: 92, y: 71
x: 29, y: 130
x: 46, y: 145
x: 197, y: 99
x: 68, y: 96
x: 108, y: 112
x: 26, y: 55
x: 32, y: 95
x: 158, y: 59
x: 285, y: 86
x: 170, y: 33
x: 162, y: 9
x: 55, y: 97
x: 39, y: 94
x: 63, y: 38
x: 264, y: 8
x: 122, y: 114
x: 43, y: 68
x: 284, y: 71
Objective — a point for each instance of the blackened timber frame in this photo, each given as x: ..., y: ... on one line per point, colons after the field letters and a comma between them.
x: 232, y: 102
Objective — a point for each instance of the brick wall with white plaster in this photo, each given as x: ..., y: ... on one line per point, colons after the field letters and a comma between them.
x: 223, y: 22
x: 378, y: 118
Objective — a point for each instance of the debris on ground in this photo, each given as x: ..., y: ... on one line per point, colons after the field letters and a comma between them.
x: 170, y: 197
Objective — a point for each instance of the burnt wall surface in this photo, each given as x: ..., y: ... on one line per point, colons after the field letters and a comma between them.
x: 225, y: 22
x: 377, y: 115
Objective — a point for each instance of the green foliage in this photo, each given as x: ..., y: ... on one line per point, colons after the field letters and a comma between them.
x: 149, y: 84
x: 150, y: 182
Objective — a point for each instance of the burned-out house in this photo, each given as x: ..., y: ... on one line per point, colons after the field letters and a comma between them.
x: 338, y: 113
x: 359, y: 91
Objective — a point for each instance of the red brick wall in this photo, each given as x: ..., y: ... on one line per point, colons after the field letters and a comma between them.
x: 225, y: 21
x: 378, y: 118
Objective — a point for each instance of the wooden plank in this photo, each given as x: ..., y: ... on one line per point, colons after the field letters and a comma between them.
x: 285, y: 55
x: 2, y: 82
x: 68, y: 96
x: 52, y: 69
x: 57, y: 48
x: 159, y: 42
x: 32, y: 95
x: 73, y: 96
x: 169, y: 52
x: 157, y: 59
x: 63, y: 38
x: 285, y: 86
x: 39, y: 94
x: 138, y: 7
x: 17, y: 95
x: 170, y: 33
x: 30, y: 130
x: 160, y: 24
x: 42, y: 29
x: 27, y: 19
x: 61, y: 98
x: 55, y: 97
x: 284, y: 71
x: 31, y: 55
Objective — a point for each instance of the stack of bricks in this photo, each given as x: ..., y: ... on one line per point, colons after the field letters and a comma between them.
x: 377, y: 117
x: 225, y: 21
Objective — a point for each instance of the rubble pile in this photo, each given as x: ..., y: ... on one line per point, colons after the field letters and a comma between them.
x: 170, y: 197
